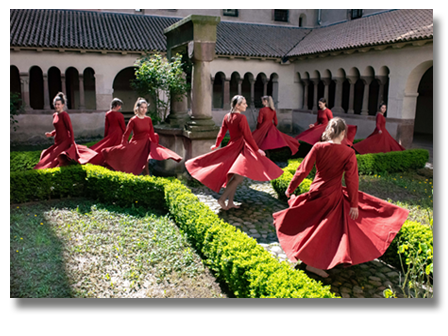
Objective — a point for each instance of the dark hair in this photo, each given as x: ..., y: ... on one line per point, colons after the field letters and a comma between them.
x: 59, y: 97
x: 334, y: 129
x: 116, y: 102
x: 323, y: 100
x: 234, y: 102
x: 379, y: 107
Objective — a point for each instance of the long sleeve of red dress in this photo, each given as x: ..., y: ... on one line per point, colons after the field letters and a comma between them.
x: 275, y: 119
x: 352, y: 180
x: 53, y: 133
x: 222, y: 131
x: 154, y: 137
x: 244, y: 127
x: 121, y: 123
x: 127, y: 132
x: 68, y: 125
x: 303, y: 170
x: 329, y: 114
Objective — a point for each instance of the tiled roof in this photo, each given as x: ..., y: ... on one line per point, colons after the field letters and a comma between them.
x: 385, y: 28
x: 86, y: 30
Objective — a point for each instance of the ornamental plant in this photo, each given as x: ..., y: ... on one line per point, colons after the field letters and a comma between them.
x: 15, y: 106
x: 160, y: 79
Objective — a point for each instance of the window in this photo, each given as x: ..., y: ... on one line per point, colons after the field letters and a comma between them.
x: 300, y: 22
x: 356, y: 13
x: 281, y: 15
x: 230, y: 12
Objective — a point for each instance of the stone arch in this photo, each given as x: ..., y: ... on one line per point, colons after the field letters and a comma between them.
x: 302, y: 20
x: 14, y: 80
x: 122, y: 89
x: 72, y: 88
x: 36, y: 88
x: 423, y: 124
x: 54, y: 83
x: 218, y: 90
x: 89, y: 89
x: 260, y: 90
x: 235, y: 83
x: 272, y: 88
x: 246, y: 87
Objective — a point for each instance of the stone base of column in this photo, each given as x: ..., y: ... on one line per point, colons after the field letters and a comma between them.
x: 337, y: 110
x: 405, y: 133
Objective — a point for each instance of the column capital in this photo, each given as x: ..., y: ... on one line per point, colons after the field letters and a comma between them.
x: 315, y: 80
x: 382, y: 79
x: 366, y: 79
x: 326, y: 80
x: 338, y: 79
x: 306, y: 81
x: 352, y: 79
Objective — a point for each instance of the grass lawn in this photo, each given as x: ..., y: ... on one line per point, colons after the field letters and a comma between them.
x: 76, y: 248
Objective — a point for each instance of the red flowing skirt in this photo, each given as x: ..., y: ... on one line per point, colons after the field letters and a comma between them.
x: 378, y: 143
x: 111, y: 140
x: 76, y: 153
x: 269, y: 137
x: 313, y: 134
x: 134, y: 156
x: 215, y: 169
x: 318, y: 230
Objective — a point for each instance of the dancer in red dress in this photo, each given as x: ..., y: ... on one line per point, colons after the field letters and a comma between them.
x: 332, y: 224
x: 380, y: 141
x: 133, y: 156
x: 267, y: 136
x: 227, y: 166
x: 324, y: 115
x: 64, y: 149
x: 113, y: 131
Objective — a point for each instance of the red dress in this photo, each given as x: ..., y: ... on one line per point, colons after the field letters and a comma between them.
x: 132, y: 156
x: 64, y: 149
x: 267, y: 136
x: 317, y: 228
x: 113, y: 132
x: 313, y: 134
x: 240, y: 156
x: 376, y: 142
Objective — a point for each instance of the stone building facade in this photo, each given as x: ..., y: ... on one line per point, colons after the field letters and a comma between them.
x: 354, y: 58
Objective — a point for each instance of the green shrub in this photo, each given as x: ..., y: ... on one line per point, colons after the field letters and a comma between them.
x: 411, y: 234
x: 21, y: 161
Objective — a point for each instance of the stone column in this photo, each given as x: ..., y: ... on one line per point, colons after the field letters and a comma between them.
x: 275, y: 92
x: 265, y: 86
x: 365, y: 99
x: 326, y: 82
x: 240, y: 86
x: 226, y: 94
x: 337, y: 108
x: 315, y: 99
x: 305, y: 95
x: 178, y: 109
x: 64, y: 85
x: 46, y: 93
x: 81, y: 93
x: 25, y: 84
x: 212, y: 81
x: 351, y: 100
x: 382, y: 80
x: 252, y: 93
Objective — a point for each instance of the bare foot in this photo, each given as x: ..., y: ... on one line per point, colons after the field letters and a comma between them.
x: 222, y: 204
x: 232, y: 205
x: 317, y: 271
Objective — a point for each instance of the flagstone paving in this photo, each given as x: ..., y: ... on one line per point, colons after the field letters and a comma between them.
x: 258, y: 201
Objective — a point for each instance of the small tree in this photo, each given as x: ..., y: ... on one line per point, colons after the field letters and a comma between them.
x: 15, y: 106
x: 156, y: 77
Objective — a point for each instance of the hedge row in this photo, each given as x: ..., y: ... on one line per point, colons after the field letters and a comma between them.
x: 247, y: 268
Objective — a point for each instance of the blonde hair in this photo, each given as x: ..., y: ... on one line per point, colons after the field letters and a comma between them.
x: 138, y: 103
x: 270, y: 102
x: 60, y: 97
x: 334, y: 128
x: 236, y: 100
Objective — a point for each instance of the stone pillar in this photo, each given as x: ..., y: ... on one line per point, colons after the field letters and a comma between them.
x: 252, y: 93
x: 240, y: 86
x: 382, y: 80
x: 46, y: 93
x: 81, y: 93
x: 365, y: 99
x: 25, y: 84
x: 226, y: 94
x: 178, y: 110
x: 265, y: 86
x: 326, y: 82
x: 275, y: 92
x: 212, y: 81
x: 351, y: 100
x: 315, y: 99
x: 64, y: 85
x: 337, y: 108
x: 305, y: 95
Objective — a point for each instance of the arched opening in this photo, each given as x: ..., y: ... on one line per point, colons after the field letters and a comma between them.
x: 302, y: 20
x: 14, y: 80
x: 310, y: 95
x: 374, y: 88
x: 320, y: 90
x: 54, y: 83
x: 359, y: 94
x: 89, y: 89
x: 345, y: 95
x: 245, y: 88
x: 423, y: 124
x: 234, y: 84
x: 331, y: 94
x: 72, y: 87
x: 36, y: 88
x: 272, y: 88
x: 258, y: 91
x: 123, y: 90
x: 218, y: 91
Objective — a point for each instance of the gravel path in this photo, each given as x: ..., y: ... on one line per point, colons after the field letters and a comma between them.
x: 258, y: 201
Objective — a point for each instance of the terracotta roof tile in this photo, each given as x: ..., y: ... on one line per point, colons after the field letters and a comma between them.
x: 391, y: 27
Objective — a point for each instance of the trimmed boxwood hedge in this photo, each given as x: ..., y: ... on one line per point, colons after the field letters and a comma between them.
x: 247, y: 268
